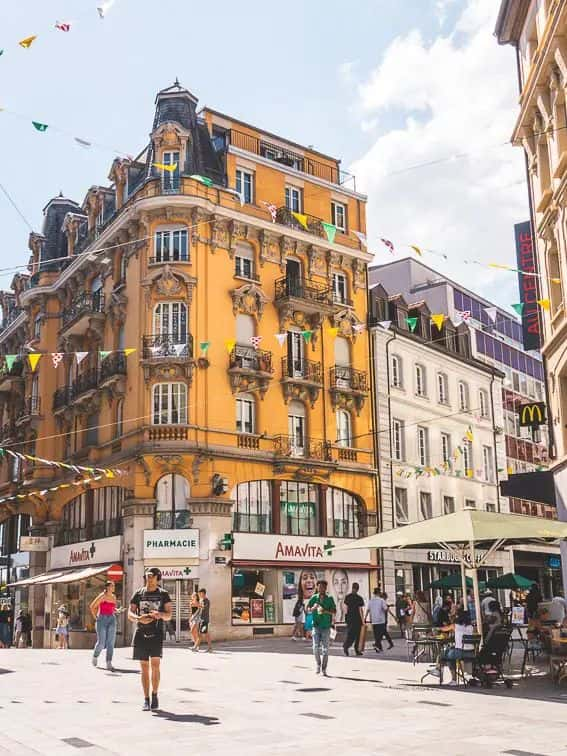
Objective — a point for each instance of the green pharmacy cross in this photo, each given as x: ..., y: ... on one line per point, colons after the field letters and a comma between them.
x: 227, y: 541
x: 328, y: 547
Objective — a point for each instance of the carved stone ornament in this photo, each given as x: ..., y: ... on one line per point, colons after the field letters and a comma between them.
x: 238, y: 232
x: 345, y: 320
x: 269, y: 248
x: 146, y: 469
x: 170, y: 368
x: 358, y: 274
x: 242, y: 381
x: 317, y: 262
x: 301, y: 391
x: 168, y: 284
x: 287, y: 247
x: 117, y: 307
x: 347, y: 400
x: 289, y: 317
x: 221, y: 234
x: 249, y: 299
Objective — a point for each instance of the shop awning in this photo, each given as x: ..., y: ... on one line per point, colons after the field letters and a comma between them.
x: 36, y: 580
x: 536, y: 486
x: 51, y: 578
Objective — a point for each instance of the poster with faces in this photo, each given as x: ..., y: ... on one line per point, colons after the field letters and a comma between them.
x: 303, y: 583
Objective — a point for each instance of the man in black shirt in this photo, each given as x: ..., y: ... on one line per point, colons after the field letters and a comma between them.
x: 150, y: 607
x: 204, y: 621
x: 354, y: 619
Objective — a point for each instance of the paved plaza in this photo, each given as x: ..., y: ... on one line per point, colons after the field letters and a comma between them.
x: 263, y: 697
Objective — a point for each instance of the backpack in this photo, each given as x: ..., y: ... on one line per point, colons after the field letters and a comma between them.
x: 298, y: 608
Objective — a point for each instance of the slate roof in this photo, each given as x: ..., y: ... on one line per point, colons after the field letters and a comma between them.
x: 54, y: 213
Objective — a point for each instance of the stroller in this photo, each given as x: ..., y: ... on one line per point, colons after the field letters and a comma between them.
x: 488, y: 664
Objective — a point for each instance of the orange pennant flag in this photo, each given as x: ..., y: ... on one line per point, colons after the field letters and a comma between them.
x: 33, y: 359
x: 28, y: 41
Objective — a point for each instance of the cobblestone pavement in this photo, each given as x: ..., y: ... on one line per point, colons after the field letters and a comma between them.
x: 263, y: 697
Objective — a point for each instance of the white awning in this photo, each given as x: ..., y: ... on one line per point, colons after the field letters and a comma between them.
x: 50, y: 578
x: 37, y: 579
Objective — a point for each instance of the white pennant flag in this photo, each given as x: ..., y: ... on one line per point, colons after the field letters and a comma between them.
x: 281, y: 337
x: 361, y: 237
x: 385, y: 324
x: 80, y: 356
x: 491, y: 312
x: 179, y: 349
x: 104, y: 7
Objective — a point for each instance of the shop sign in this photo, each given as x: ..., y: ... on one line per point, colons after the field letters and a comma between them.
x: 220, y: 560
x: 34, y: 543
x: 532, y: 415
x: 87, y: 553
x: 448, y: 556
x: 179, y: 573
x: 300, y: 549
x: 554, y: 562
x: 171, y: 544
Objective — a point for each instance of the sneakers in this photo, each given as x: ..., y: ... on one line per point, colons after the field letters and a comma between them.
x: 109, y: 667
x: 146, y: 706
x: 378, y: 650
x: 390, y: 647
x: 359, y: 653
x: 293, y: 638
x: 155, y: 702
x: 94, y: 661
x: 325, y: 673
x: 318, y: 671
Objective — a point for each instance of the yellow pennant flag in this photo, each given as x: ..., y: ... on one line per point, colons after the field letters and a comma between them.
x: 416, y: 249
x: 109, y: 474
x: 333, y: 332
x: 438, y: 320
x: 556, y: 280
x: 469, y: 435
x: 510, y: 470
x: 301, y: 218
x: 28, y: 41
x: 128, y: 352
x: 544, y: 303
x: 469, y: 473
x: 229, y: 344
x: 34, y: 358
x: 163, y: 167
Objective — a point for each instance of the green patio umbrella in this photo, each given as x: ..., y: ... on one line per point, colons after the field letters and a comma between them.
x: 510, y: 581
x: 454, y: 580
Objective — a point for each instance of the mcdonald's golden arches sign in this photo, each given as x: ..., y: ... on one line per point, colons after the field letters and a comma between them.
x: 532, y: 415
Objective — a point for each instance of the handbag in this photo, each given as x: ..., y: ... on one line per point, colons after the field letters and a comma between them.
x: 333, y: 633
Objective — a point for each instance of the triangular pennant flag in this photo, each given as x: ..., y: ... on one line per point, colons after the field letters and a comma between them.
x: 104, y: 7
x: 307, y: 336
x: 163, y: 167
x: 2, y: 52
x: 500, y: 266
x: 39, y: 126
x: 416, y: 249
x: 469, y: 435
x: 385, y: 324
x: 412, y: 323
x: 62, y: 26
x: 255, y: 341
x: 80, y: 356
x: 179, y: 349
x: 361, y: 237
x: 438, y: 320
x: 28, y: 41
x: 272, y: 208
x: 301, y: 219
x: 33, y: 359
x: 330, y: 230
x: 10, y: 359
x: 204, y: 346
x: 281, y: 337
x: 56, y: 358
x: 229, y: 344
x: 203, y: 179
x: 128, y: 352
x: 470, y: 473
x: 104, y: 353
x: 333, y: 331
x: 82, y: 142
x: 388, y: 244
x: 519, y: 308
x: 491, y: 312
x: 464, y: 315
x: 543, y: 303
x: 553, y: 280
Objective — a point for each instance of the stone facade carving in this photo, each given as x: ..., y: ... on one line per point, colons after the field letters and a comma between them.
x: 249, y: 299
x: 346, y: 320
x: 269, y: 248
x: 221, y: 234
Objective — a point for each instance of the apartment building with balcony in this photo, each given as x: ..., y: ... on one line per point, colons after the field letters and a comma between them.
x: 220, y: 428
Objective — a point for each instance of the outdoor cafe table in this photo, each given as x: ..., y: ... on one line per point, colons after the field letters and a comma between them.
x: 435, y: 645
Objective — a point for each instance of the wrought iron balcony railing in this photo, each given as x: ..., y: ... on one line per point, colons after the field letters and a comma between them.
x: 348, y: 379
x: 303, y: 370
x: 248, y: 358
x: 164, y: 345
x: 296, y: 446
x: 61, y: 398
x: 114, y: 364
x: 299, y: 288
x: 173, y: 520
x: 83, y: 305
x: 87, y: 381
x: 15, y: 371
x: 31, y: 407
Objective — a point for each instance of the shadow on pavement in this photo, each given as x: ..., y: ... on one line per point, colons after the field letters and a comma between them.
x: 197, y: 718
x: 121, y: 671
x: 356, y: 679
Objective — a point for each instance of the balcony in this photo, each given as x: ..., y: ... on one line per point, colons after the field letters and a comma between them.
x: 86, y: 311
x: 250, y: 369
x: 10, y: 379
x: 348, y: 387
x: 12, y: 315
x: 302, y: 295
x: 285, y: 217
x: 167, y: 433
x: 7, y: 431
x: 84, y: 386
x: 61, y: 398
x: 30, y: 411
x: 346, y: 454
x: 112, y: 369
x: 167, y: 348
x: 303, y: 448
x: 301, y: 379
x: 173, y: 520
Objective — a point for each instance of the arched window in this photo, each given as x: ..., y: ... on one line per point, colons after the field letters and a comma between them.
x: 172, y: 506
x: 119, y: 418
x: 244, y: 261
x: 344, y: 428
x: 296, y: 428
x: 169, y: 404
x: 245, y: 414
x: 252, y: 508
x: 344, y: 514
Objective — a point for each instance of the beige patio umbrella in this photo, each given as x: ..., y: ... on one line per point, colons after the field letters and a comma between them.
x: 471, y: 535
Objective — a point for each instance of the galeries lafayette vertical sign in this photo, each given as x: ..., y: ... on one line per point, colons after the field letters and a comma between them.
x: 528, y: 285
x: 300, y: 549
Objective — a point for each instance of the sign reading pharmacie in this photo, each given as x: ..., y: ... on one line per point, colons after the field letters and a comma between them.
x: 171, y: 544
x: 87, y: 553
x: 297, y: 549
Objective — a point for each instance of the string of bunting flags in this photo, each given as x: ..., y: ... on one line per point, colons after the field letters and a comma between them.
x: 446, y: 467
x: 57, y: 357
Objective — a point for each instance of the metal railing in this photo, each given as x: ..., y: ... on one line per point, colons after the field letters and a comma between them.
x: 83, y: 304
x: 302, y: 370
x: 285, y: 217
x: 15, y: 371
x: 301, y: 288
x: 61, y: 398
x: 107, y: 528
x: 85, y: 382
x: 294, y: 446
x: 14, y: 313
x: 173, y: 520
x: 7, y: 431
x: 248, y: 358
x: 114, y: 364
x: 163, y: 345
x: 344, y: 377
x: 31, y: 406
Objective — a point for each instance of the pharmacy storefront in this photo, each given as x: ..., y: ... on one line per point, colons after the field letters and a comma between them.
x: 176, y: 553
x: 270, y: 572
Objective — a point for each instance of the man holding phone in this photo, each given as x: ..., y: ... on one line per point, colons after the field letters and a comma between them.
x: 150, y: 607
x: 323, y: 608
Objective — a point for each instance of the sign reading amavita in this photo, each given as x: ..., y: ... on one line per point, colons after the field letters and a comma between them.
x: 171, y: 544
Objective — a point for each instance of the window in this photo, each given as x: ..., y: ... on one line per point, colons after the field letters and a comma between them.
x: 343, y: 514
x: 296, y: 428
x: 442, y: 388
x: 171, y: 246
x: 398, y: 446
x: 245, y: 330
x: 245, y: 414
x: 470, y: 504
x: 490, y: 506
x: 172, y: 507
x: 293, y: 199
x: 488, y: 464
x: 446, y: 447
x: 401, y: 504
x: 119, y: 428
x: 107, y: 511
x: 423, y: 445
x: 248, y: 609
x: 339, y: 288
x: 343, y: 375
x: 396, y: 378
x: 295, y: 355
x: 244, y: 262
x: 448, y: 505
x: 420, y: 387
x: 467, y: 458
x: 245, y: 186
x: 123, y: 266
x: 170, y: 322
x: 299, y: 508
x: 425, y: 505
x: 483, y: 403
x: 37, y: 327
x: 344, y: 428
x: 463, y: 396
x: 170, y: 179
x: 170, y: 404
x: 252, y: 508
x: 339, y: 216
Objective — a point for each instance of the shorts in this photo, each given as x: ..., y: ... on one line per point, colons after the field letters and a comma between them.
x: 203, y: 627
x: 62, y: 631
x: 147, y: 646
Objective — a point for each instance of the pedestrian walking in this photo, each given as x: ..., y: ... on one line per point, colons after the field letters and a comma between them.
x: 204, y: 620
x: 322, y: 609
x: 62, y: 628
x: 354, y: 620
x: 195, y: 617
x: 23, y: 629
x: 103, y: 609
x: 5, y: 626
x: 378, y: 612
x: 150, y: 607
x: 299, y: 618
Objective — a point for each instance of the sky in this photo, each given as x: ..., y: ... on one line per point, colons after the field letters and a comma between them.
x: 384, y: 85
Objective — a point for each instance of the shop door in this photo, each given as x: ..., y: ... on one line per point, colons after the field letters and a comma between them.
x: 177, y: 630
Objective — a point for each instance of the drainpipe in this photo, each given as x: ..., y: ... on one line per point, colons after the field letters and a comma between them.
x: 492, y: 379
x: 390, y: 426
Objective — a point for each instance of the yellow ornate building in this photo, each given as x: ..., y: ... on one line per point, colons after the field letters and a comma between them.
x: 226, y: 256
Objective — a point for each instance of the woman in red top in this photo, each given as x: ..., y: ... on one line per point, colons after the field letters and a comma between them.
x: 103, y: 609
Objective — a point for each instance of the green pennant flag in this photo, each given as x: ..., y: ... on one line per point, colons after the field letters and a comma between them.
x: 307, y: 336
x: 330, y: 230
x: 104, y: 354
x: 39, y: 126
x: 204, y: 346
x: 412, y: 322
x: 203, y: 179
x: 519, y: 308
x: 10, y: 359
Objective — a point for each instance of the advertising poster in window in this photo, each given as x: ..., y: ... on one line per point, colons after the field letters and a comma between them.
x: 303, y: 584
x: 257, y: 610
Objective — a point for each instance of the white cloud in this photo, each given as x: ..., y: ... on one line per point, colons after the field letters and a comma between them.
x: 454, y: 95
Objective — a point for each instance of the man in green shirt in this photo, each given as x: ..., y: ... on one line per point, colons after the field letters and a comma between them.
x: 323, y: 608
